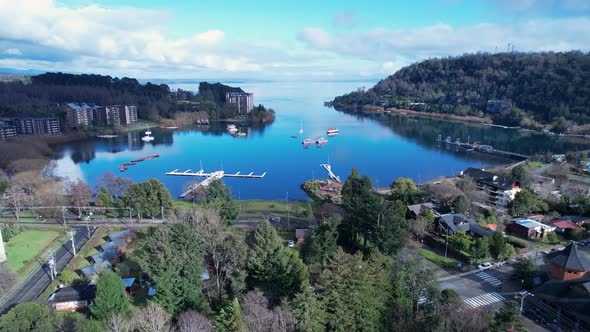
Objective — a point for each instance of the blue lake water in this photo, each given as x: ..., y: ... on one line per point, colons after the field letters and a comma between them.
x: 384, y: 148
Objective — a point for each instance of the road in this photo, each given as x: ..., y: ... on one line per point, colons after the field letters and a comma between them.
x: 32, y: 287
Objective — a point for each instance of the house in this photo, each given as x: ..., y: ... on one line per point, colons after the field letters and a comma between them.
x: 126, y: 236
x: 111, y: 256
x: 37, y: 126
x: 72, y: 298
x: 452, y: 223
x: 530, y: 229
x: 495, y: 106
x: 499, y: 190
x: 562, y: 225
x: 578, y: 220
x: 92, y: 271
x: 570, y: 263
x: 118, y: 245
x: 416, y: 209
x: 301, y: 234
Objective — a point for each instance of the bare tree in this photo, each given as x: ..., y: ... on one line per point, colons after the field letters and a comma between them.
x: 420, y: 226
x: 151, y: 318
x: 50, y: 195
x: 114, y: 185
x: 444, y: 193
x: 118, y: 323
x: 80, y: 194
x: 17, y: 199
x: 27, y: 182
x: 257, y: 315
x: 192, y: 321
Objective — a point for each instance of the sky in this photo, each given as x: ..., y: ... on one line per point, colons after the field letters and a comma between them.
x: 275, y: 40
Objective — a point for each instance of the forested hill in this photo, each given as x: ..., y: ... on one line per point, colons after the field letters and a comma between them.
x: 544, y: 87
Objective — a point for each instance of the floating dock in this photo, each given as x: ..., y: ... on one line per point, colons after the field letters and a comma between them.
x: 331, y: 174
x: 210, y: 177
x: 481, y: 148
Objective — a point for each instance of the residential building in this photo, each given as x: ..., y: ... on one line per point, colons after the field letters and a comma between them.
x: 79, y: 114
x: 568, y: 293
x: 530, y: 229
x: 7, y: 132
x: 416, y: 209
x: 243, y: 100
x: 500, y: 190
x: 301, y: 234
x: 68, y: 299
x: 573, y: 262
x: 37, y: 126
x: 115, y: 115
x: 562, y: 225
x: 452, y: 223
x: 498, y: 106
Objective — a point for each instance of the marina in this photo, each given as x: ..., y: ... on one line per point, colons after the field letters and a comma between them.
x: 480, y: 148
x: 210, y: 177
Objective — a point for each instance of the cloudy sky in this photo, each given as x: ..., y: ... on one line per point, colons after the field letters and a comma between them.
x: 320, y: 39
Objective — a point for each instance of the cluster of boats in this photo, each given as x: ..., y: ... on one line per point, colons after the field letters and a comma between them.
x: 133, y: 162
x: 148, y: 137
x: 321, y: 141
x: 233, y: 130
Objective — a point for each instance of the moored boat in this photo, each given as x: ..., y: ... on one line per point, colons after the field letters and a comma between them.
x: 321, y: 141
x: 308, y: 141
x: 333, y: 131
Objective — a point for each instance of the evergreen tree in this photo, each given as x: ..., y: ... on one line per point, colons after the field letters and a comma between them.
x: 272, y: 267
x: 525, y: 202
x: 480, y: 248
x: 110, y: 296
x: 460, y: 204
x: 405, y: 190
x: 362, y: 208
x: 103, y: 198
x: 507, y: 319
x: 323, y: 242
x: 148, y: 198
x: 308, y: 311
x: 353, y: 292
x: 497, y: 243
x: 173, y: 258
x: 390, y: 230
x: 219, y: 197
x: 229, y: 318
x: 25, y: 317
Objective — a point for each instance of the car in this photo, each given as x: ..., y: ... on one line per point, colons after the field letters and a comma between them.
x: 500, y: 262
x: 291, y: 243
x: 484, y: 266
x: 275, y: 218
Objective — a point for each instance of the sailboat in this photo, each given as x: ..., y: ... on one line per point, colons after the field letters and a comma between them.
x: 300, y: 131
x: 147, y: 136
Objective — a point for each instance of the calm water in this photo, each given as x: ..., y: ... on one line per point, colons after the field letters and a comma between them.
x: 383, y: 148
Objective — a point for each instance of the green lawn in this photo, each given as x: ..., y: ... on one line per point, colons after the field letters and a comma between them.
x: 262, y: 208
x: 534, y: 165
x: 437, y: 259
x: 28, y: 246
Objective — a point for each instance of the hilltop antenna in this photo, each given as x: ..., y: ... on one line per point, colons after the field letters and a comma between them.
x: 508, y: 50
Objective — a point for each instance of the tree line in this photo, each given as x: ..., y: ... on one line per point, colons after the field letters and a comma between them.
x: 548, y: 87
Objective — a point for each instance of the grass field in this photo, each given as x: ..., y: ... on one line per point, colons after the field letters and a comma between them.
x: 437, y: 259
x: 24, y: 249
x: 534, y: 165
x: 262, y: 208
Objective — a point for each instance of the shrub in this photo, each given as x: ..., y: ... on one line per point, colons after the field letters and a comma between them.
x: 518, y: 243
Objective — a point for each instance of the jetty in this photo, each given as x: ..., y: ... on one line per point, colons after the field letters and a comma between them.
x: 331, y: 174
x: 467, y: 146
x: 210, y: 177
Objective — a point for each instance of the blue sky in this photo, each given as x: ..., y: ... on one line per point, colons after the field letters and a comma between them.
x: 275, y: 39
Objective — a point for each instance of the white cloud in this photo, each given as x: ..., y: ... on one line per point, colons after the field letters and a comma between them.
x: 13, y: 51
x: 442, y: 39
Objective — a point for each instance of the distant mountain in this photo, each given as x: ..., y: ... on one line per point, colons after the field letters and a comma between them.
x: 511, y: 88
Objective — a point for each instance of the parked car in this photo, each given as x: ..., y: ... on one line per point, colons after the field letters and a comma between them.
x: 500, y: 263
x: 291, y: 243
x: 484, y: 266
x: 276, y: 219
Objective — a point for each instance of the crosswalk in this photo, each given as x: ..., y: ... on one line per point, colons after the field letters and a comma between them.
x: 489, y: 279
x: 483, y: 300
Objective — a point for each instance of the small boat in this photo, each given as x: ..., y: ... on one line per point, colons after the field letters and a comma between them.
x: 308, y: 141
x: 332, y: 131
x: 321, y: 141
x: 242, y: 134
x: 301, y: 128
x: 147, y: 137
x: 294, y: 136
x: 122, y: 168
x: 231, y: 126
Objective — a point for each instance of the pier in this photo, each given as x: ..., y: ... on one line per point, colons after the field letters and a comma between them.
x: 332, y: 176
x: 481, y: 148
x: 210, y: 177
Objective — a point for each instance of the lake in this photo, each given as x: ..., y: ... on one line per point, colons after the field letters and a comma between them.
x: 383, y: 147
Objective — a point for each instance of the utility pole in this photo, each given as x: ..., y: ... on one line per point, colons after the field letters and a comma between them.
x: 130, y: 215
x: 287, y: 200
x: 2, y: 251
x: 63, y: 215
x: 161, y: 207
x: 51, y: 264
x: 71, y: 234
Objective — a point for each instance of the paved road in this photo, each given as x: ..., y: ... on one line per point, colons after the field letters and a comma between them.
x: 39, y: 279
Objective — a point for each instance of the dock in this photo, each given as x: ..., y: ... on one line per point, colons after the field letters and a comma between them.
x: 481, y: 148
x: 331, y: 174
x: 210, y: 177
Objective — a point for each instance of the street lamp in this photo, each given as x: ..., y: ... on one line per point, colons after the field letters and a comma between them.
x: 523, y: 295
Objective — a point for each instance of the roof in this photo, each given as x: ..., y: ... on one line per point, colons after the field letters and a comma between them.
x: 529, y: 223
x: 77, y: 293
x: 113, y: 245
x: 302, y: 232
x: 121, y: 236
x: 576, y: 219
x: 128, y: 281
x: 572, y: 258
x: 489, y: 178
x: 418, y: 208
x: 95, y: 269
x: 563, y: 224
x: 492, y: 226
x: 106, y: 256
x: 571, y: 295
x: 458, y: 222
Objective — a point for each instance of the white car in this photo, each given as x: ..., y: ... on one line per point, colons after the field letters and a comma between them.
x: 291, y: 243
x: 484, y: 266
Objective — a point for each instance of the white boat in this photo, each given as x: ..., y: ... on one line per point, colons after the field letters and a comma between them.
x: 332, y: 131
x: 308, y: 141
x: 301, y: 128
x: 147, y: 137
x: 231, y: 126
x: 321, y: 141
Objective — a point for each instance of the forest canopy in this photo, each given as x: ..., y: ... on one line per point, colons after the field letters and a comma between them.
x: 543, y: 87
